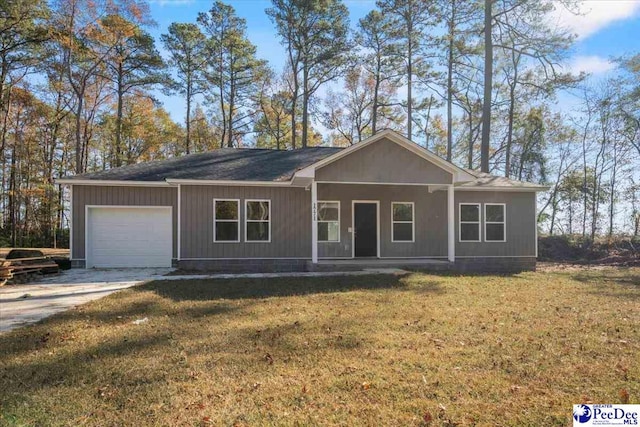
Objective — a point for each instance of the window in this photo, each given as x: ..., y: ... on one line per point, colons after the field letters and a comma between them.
x: 494, y: 222
x: 328, y: 221
x: 258, y: 220
x: 469, y: 217
x: 226, y: 220
x: 402, y: 222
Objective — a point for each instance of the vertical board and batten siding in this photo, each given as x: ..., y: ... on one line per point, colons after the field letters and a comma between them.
x: 520, y: 224
x: 290, y: 222
x: 430, y: 219
x: 84, y: 195
x: 384, y: 162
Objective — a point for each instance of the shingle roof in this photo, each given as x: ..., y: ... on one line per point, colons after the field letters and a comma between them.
x: 233, y: 164
x: 250, y: 164
x: 487, y: 180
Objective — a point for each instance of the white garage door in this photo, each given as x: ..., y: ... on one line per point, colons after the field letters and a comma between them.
x: 129, y: 237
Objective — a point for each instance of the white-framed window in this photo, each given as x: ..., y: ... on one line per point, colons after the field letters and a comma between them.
x: 495, y: 222
x: 226, y: 220
x: 328, y: 221
x: 402, y: 222
x: 469, y: 222
x: 257, y: 220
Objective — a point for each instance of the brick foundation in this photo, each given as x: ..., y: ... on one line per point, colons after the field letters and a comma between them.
x: 495, y: 265
x: 244, y: 265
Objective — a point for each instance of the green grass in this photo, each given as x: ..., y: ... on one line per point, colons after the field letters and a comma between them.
x: 370, y: 350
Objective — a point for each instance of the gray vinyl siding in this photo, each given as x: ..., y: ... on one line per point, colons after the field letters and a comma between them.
x: 291, y: 219
x: 84, y: 195
x: 520, y: 224
x: 290, y: 222
x: 430, y: 219
x: 384, y: 162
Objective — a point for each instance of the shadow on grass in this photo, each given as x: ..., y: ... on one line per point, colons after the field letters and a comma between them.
x: 207, y: 289
x: 621, y: 283
x: 67, y: 368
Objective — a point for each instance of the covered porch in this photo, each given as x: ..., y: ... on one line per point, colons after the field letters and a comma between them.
x: 355, y: 264
x: 371, y: 224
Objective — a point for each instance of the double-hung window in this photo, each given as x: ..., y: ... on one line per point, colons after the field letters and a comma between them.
x: 402, y: 224
x: 494, y: 222
x: 469, y: 222
x: 226, y: 220
x: 258, y: 220
x: 328, y: 221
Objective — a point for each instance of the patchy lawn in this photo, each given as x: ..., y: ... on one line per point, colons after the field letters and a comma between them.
x: 370, y: 350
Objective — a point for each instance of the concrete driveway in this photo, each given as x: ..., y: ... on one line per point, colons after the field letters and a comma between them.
x: 24, y: 304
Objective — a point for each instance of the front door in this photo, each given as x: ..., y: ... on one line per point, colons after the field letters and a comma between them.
x: 365, y: 222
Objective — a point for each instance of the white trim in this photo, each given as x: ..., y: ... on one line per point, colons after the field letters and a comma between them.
x: 225, y: 220
x: 497, y: 256
x: 505, y: 189
x: 247, y: 220
x: 71, y: 223
x: 535, y: 221
x: 348, y: 258
x: 504, y: 222
x: 314, y: 222
x: 479, y: 222
x: 178, y: 228
x: 413, y: 257
x: 451, y: 225
x: 113, y: 183
x: 230, y: 259
x: 458, y: 174
x: 230, y: 182
x: 87, y: 264
x: 412, y: 222
x: 353, y: 225
x: 418, y: 184
x: 327, y: 221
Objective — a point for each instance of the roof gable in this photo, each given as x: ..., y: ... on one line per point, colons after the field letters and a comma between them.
x: 384, y: 162
x: 459, y: 174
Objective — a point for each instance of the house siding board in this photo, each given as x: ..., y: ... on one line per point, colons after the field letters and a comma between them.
x: 430, y: 219
x: 290, y: 222
x: 384, y: 162
x: 520, y: 224
x: 84, y: 195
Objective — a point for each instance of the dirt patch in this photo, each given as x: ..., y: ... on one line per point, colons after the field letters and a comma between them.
x: 617, y: 251
x: 46, y: 251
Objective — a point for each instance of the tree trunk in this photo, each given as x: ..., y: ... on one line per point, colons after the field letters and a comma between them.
x: 188, y: 116
x: 374, y: 107
x: 488, y: 83
x: 612, y: 187
x: 305, y: 105
x: 232, y: 93
x: 409, y: 84
x: 450, y: 81
x: 79, y: 143
x: 512, y: 102
x: 118, y: 153
x: 470, y: 152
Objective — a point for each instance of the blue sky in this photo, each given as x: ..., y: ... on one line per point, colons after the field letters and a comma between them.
x: 606, y: 29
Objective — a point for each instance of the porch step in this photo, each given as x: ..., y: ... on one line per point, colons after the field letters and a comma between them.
x: 375, y: 263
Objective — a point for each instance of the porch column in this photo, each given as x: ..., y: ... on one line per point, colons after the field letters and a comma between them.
x: 451, y: 225
x: 314, y: 222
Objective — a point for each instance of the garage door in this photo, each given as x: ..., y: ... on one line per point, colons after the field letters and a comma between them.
x: 129, y: 237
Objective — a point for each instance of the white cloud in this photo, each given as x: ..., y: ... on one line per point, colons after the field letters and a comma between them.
x: 595, y: 15
x: 591, y: 64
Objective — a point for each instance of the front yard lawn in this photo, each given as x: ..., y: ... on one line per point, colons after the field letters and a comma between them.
x: 419, y: 349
